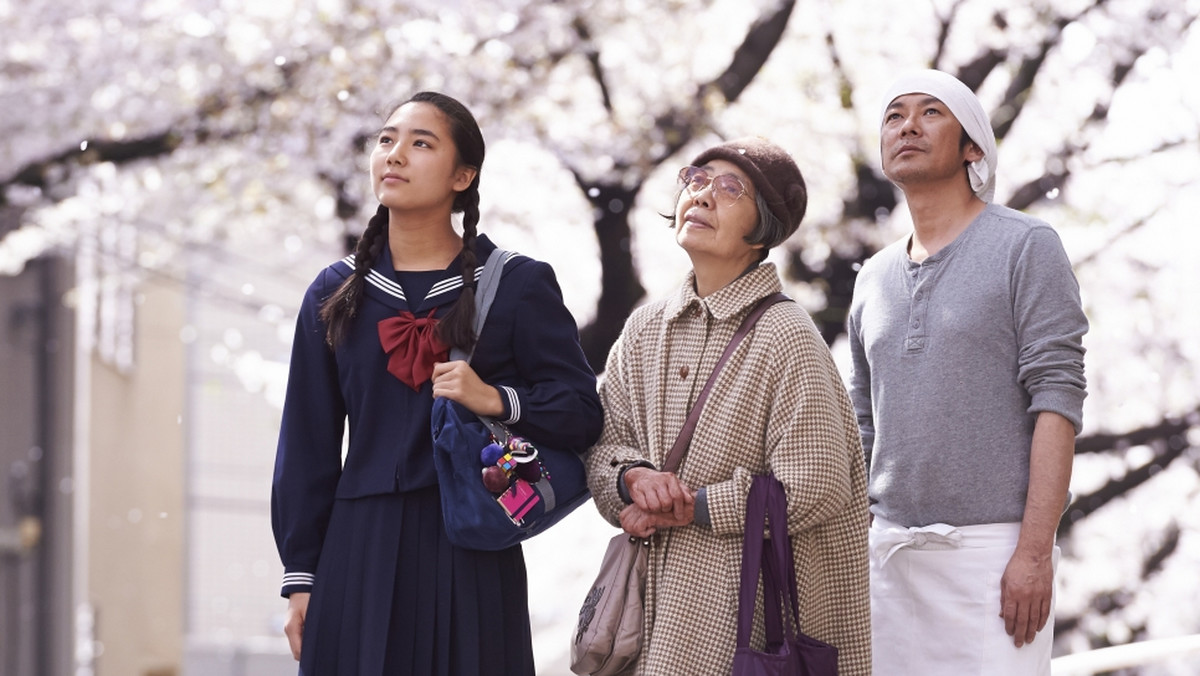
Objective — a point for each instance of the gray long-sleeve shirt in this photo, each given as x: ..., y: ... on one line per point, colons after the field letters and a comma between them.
x: 952, y: 360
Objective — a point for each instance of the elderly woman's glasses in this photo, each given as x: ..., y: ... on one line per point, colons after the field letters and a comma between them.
x: 726, y: 188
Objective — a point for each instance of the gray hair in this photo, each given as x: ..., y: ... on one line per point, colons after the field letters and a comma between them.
x: 769, y: 231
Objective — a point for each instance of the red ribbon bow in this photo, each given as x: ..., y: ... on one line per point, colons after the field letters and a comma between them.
x: 412, y: 347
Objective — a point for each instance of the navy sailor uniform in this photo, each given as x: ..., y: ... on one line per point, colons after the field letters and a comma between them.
x: 364, y: 533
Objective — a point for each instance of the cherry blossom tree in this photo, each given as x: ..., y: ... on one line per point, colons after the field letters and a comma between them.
x: 223, y: 139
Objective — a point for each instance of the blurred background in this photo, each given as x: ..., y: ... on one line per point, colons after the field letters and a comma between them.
x: 173, y: 174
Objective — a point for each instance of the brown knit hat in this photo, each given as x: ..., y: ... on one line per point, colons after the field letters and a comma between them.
x: 774, y: 174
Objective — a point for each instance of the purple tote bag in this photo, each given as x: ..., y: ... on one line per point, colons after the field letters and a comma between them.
x: 788, y: 652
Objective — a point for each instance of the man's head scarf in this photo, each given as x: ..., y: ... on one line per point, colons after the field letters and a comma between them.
x: 967, y: 109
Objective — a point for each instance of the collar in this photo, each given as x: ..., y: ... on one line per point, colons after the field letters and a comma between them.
x: 729, y: 301
x: 382, y: 286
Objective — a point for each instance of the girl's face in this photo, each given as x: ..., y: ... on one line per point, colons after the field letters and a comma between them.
x: 414, y: 164
x: 708, y: 223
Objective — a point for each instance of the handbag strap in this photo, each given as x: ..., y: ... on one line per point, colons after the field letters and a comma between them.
x: 781, y: 566
x: 675, y: 456
x: 752, y: 559
x: 767, y: 503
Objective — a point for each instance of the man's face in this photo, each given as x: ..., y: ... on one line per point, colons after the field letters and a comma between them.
x: 920, y: 142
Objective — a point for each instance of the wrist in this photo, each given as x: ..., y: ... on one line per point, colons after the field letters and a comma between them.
x: 623, y: 483
x: 634, y: 474
x: 1036, y: 552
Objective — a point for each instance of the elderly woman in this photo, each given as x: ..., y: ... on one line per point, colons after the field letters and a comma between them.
x: 778, y: 406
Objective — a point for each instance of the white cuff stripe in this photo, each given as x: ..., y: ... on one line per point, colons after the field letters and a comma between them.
x: 514, y: 405
x: 297, y: 578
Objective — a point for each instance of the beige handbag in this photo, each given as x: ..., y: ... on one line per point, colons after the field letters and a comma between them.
x: 608, y: 638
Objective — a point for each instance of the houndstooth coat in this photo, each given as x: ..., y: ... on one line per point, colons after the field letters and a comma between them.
x: 779, y: 405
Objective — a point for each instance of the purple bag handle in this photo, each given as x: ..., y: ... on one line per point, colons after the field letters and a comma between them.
x: 784, y: 569
x: 774, y: 559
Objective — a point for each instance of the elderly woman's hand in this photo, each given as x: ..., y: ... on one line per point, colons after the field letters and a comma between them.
x: 658, y: 492
x: 640, y: 523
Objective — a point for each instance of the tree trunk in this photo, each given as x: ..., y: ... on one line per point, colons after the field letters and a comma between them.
x: 620, y: 289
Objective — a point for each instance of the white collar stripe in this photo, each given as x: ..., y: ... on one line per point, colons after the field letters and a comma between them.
x: 391, y: 288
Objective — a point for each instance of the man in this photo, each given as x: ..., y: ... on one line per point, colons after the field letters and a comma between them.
x: 968, y: 384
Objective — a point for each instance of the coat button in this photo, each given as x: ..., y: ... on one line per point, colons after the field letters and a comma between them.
x: 683, y: 371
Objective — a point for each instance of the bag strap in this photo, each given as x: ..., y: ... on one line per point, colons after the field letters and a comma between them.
x: 767, y: 503
x: 675, y: 456
x: 779, y: 581
x: 485, y: 294
x: 752, y: 560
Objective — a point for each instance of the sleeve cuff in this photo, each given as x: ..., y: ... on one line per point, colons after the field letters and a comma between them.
x: 1067, y: 403
x: 622, y: 489
x: 700, y: 515
x: 296, y: 582
x: 511, y: 403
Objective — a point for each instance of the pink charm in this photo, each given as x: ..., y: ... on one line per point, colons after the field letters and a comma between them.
x: 519, y: 500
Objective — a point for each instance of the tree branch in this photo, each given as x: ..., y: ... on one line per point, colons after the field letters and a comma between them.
x: 680, y: 125
x: 54, y: 169
x: 40, y: 173
x: 752, y: 54
x: 1166, y: 429
x: 944, y: 24
x: 593, y: 57
x: 974, y: 72
x: 1111, y: 601
x: 1166, y: 453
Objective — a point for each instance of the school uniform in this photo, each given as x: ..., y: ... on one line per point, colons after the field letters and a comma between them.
x: 390, y: 594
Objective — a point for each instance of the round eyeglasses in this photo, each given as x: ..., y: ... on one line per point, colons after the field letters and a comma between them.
x: 726, y: 188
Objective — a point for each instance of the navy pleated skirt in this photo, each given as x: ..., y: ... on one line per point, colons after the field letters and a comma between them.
x: 393, y: 596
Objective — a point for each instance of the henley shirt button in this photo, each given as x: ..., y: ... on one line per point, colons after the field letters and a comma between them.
x: 916, y: 325
x: 683, y: 372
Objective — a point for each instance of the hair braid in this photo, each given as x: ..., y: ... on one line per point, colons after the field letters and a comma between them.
x: 458, y: 326
x: 340, y: 308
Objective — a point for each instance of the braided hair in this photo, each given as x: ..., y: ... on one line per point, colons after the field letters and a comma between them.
x: 339, y: 309
x: 457, y: 327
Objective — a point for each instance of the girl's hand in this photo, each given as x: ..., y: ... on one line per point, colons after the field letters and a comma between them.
x: 293, y: 625
x: 457, y: 381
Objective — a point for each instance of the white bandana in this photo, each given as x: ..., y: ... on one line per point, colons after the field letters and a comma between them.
x: 966, y: 108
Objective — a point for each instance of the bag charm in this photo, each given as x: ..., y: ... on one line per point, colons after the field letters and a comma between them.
x: 507, y: 473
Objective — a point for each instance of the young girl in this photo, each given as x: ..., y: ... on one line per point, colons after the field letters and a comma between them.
x: 373, y: 584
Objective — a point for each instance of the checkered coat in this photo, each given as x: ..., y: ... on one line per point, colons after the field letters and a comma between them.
x: 779, y: 405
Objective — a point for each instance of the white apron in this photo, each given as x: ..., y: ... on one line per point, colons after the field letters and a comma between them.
x: 935, y: 603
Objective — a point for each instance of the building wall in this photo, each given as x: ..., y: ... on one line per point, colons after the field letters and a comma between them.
x: 36, y: 485
x: 136, y: 511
